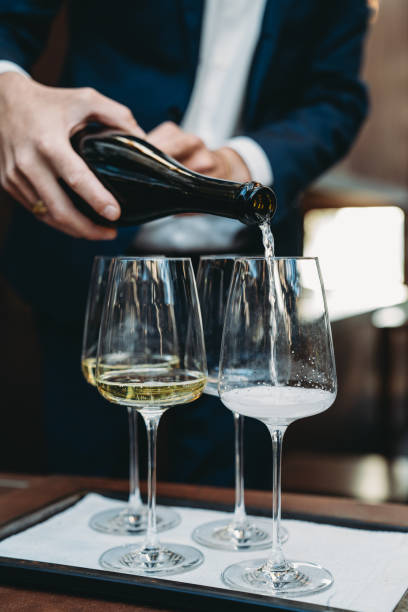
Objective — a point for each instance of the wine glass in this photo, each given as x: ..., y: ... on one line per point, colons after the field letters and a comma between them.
x: 238, y: 533
x: 133, y: 518
x: 277, y: 365
x: 151, y: 311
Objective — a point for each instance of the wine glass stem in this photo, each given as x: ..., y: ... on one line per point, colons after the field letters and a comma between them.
x: 277, y: 561
x: 239, y: 510
x: 135, y: 499
x: 151, y: 542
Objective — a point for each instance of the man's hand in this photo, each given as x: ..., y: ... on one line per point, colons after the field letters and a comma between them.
x: 191, y: 151
x: 36, y: 123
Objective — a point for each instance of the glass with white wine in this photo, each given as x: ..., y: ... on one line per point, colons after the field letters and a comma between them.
x: 151, y: 319
x: 133, y: 518
x: 238, y: 532
x: 277, y: 365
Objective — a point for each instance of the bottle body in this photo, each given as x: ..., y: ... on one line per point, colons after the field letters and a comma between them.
x: 148, y: 184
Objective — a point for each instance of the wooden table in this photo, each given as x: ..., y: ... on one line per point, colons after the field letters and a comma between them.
x: 21, y: 494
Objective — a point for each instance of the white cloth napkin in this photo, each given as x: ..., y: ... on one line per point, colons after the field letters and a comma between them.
x: 369, y: 567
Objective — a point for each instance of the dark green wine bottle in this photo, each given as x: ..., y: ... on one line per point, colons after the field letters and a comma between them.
x: 149, y: 184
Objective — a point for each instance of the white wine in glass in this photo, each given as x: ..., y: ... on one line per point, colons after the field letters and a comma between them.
x: 152, y: 309
x: 278, y: 333
x: 135, y: 387
x: 132, y: 519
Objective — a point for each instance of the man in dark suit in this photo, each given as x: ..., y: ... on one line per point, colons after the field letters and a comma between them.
x: 136, y: 66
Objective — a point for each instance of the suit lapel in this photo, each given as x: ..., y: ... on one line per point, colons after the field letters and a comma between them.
x: 192, y: 14
x: 261, y: 63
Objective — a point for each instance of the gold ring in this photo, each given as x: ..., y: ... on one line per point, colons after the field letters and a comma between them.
x: 39, y: 208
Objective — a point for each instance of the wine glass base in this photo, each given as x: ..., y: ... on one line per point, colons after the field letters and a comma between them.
x: 169, y: 559
x: 120, y: 521
x: 224, y: 536
x: 300, y: 579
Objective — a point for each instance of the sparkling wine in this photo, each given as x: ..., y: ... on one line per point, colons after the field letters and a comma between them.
x: 149, y: 184
x: 267, y: 239
x: 269, y: 246
x: 235, y: 377
x: 142, y: 387
x: 280, y: 405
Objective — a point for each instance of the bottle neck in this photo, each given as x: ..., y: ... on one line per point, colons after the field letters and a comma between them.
x: 257, y: 203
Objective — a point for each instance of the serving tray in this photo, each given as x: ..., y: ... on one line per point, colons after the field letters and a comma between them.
x: 153, y: 591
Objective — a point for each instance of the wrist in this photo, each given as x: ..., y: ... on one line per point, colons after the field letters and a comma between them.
x: 13, y: 87
x: 235, y: 169
x: 10, y: 66
x: 12, y: 76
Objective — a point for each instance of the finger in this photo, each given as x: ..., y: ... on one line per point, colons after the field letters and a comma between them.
x: 19, y: 197
x: 23, y: 191
x: 25, y: 165
x: 20, y: 164
x: 163, y: 134
x: 179, y: 146
x: 204, y: 162
x: 62, y: 213
x: 74, y: 171
x: 25, y: 187
x: 10, y: 180
x: 110, y: 112
x: 175, y: 142
x: 184, y: 147
x: 29, y: 195
x: 48, y: 220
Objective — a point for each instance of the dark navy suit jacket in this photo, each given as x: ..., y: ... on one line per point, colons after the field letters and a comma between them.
x: 304, y: 102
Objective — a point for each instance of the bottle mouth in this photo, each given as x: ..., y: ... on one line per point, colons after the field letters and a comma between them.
x: 259, y: 203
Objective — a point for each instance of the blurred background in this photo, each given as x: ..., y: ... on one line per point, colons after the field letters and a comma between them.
x: 354, y: 220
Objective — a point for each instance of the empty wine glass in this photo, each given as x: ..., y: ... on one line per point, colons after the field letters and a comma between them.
x: 277, y: 365
x: 133, y: 518
x: 150, y: 357
x: 236, y: 533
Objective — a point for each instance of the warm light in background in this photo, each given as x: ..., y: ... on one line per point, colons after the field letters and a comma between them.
x: 374, y: 6
x: 361, y: 253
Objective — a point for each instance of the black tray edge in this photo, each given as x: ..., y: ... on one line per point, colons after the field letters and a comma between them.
x: 49, y: 576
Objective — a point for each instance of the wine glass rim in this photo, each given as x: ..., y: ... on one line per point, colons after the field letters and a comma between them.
x: 222, y: 256
x: 104, y: 257
x: 263, y: 258
x: 150, y: 258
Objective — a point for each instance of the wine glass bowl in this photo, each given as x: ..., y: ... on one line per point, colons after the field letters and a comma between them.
x: 96, y: 295
x: 213, y: 282
x: 152, y: 317
x: 131, y: 520
x: 277, y: 365
x: 238, y: 533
